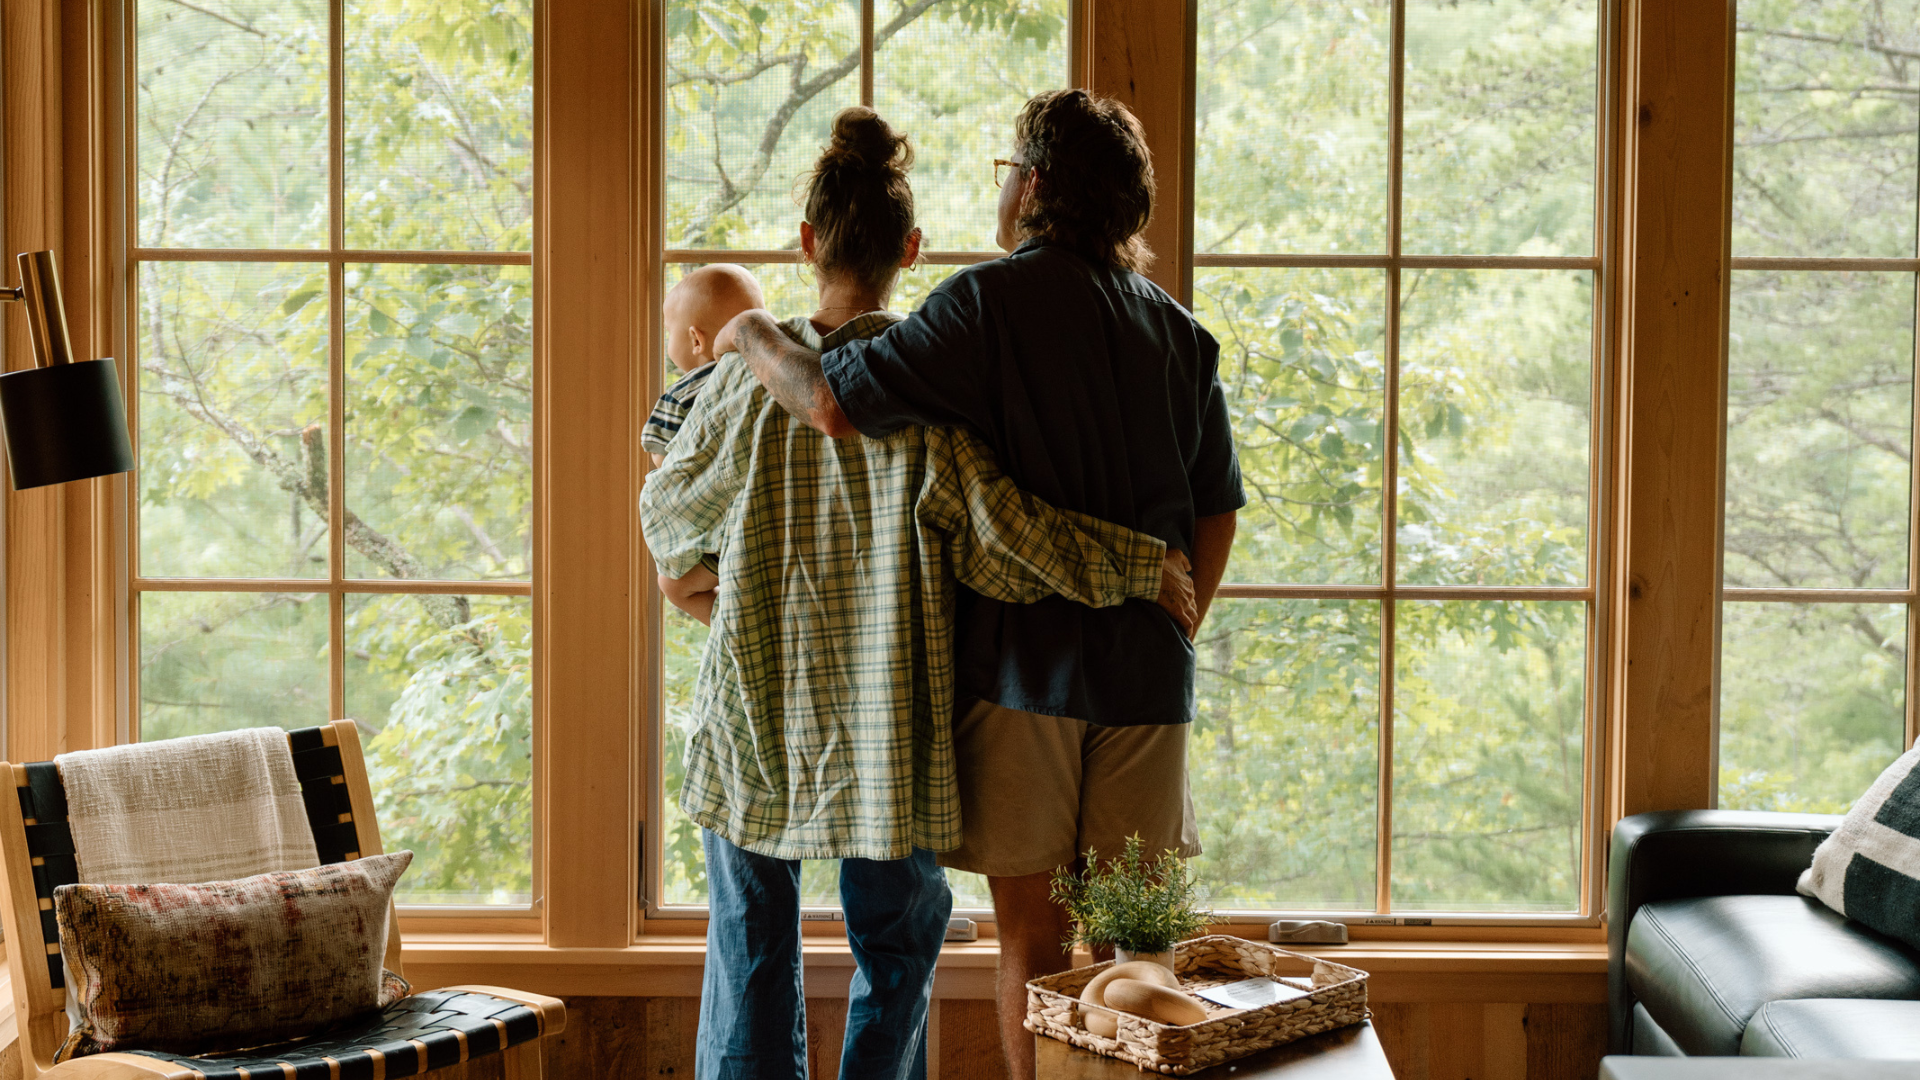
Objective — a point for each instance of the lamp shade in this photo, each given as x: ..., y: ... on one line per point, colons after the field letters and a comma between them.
x: 64, y: 422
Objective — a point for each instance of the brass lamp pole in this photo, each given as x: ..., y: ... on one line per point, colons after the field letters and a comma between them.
x: 63, y: 420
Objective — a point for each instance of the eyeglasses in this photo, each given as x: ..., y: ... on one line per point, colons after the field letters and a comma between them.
x: 1003, y: 163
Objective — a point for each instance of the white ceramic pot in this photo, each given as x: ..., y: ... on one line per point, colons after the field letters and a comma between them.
x: 1164, y: 959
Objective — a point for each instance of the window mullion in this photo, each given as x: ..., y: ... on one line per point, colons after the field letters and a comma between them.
x: 866, y: 53
x: 1390, y: 456
x: 129, y: 704
x: 336, y: 485
x: 1913, y: 546
x: 336, y: 359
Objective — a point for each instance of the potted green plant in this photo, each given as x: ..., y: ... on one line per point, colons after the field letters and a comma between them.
x: 1140, y: 908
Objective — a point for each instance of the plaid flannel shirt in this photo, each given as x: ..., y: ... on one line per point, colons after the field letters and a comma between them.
x: 823, y: 706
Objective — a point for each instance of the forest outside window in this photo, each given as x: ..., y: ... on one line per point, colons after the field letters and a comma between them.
x: 1819, y: 577
x: 329, y: 299
x: 1397, y: 242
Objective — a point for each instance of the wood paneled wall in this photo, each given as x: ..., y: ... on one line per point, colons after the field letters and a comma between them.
x: 60, y: 645
x: 653, y: 1037
x: 1141, y: 53
x: 1678, y: 89
x: 587, y: 274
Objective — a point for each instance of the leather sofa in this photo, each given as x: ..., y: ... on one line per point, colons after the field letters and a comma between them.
x: 1712, y: 953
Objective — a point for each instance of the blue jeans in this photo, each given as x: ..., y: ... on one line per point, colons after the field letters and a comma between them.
x: 753, y: 1008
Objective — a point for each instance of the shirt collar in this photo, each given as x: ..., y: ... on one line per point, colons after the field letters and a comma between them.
x: 870, y: 324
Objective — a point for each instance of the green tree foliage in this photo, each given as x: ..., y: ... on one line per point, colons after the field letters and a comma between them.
x: 233, y: 400
x: 1819, y: 399
x: 1495, y: 418
x: 1495, y: 414
x: 1495, y: 421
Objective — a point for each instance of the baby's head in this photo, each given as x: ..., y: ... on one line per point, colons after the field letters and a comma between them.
x: 700, y: 304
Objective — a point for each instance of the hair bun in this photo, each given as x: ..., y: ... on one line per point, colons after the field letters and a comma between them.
x: 862, y: 140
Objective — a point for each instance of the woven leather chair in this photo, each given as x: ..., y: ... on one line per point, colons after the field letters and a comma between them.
x: 430, y: 1030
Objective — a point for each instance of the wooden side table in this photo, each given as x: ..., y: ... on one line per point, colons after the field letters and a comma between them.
x: 1348, y: 1053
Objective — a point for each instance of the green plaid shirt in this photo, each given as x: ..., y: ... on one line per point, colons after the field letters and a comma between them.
x: 825, y: 696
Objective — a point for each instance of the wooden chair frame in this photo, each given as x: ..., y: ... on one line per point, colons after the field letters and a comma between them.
x: 40, y: 1006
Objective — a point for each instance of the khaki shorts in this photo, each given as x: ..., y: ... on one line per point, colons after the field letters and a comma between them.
x: 1037, y: 792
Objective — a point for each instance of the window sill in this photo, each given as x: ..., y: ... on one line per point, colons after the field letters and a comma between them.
x: 669, y: 965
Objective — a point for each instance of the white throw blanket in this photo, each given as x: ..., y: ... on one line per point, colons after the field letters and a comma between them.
x: 202, y: 808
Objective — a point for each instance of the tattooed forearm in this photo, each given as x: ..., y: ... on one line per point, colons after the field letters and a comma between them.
x: 791, y: 373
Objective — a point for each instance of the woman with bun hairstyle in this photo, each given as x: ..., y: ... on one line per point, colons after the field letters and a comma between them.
x: 825, y: 696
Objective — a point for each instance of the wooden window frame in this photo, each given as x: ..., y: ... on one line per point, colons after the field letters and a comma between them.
x: 337, y: 257
x: 1145, y: 55
x: 1389, y: 592
x: 1908, y: 597
x: 595, y: 186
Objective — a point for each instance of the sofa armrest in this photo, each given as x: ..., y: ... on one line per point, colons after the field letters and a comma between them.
x: 1674, y: 854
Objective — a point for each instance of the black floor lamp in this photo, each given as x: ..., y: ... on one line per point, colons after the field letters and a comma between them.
x: 63, y: 420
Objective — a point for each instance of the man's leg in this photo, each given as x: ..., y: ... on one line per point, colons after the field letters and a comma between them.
x: 897, y: 915
x: 753, y: 1018
x: 1019, y: 776
x: 1031, y: 928
x: 1130, y: 780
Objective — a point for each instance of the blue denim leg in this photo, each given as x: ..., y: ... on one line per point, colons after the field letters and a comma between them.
x: 753, y: 1012
x: 896, y: 920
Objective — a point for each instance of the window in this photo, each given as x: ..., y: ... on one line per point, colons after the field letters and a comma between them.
x: 751, y: 94
x: 331, y: 318
x: 1396, y: 237
x: 1397, y: 241
x: 1819, y: 578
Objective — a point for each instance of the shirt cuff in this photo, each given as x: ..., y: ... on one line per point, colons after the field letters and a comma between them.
x: 1146, y: 555
x: 678, y: 565
x: 860, y: 398
x: 1224, y: 502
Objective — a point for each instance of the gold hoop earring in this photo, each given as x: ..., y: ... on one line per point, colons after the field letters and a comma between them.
x: 800, y: 273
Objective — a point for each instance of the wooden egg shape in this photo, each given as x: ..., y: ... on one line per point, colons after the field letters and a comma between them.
x: 1153, y: 1001
x: 1097, y: 1021
x: 1144, y: 970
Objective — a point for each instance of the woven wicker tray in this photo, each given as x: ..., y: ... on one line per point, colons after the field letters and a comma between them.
x: 1338, y: 998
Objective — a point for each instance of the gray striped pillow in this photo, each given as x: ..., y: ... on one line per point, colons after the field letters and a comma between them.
x: 1869, y: 869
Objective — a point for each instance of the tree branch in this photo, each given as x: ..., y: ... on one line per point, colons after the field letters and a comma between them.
x: 230, y: 21
x: 802, y: 90
x: 308, y: 481
x: 1824, y: 39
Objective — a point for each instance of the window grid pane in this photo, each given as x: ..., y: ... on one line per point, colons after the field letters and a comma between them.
x: 1483, y: 380
x: 243, y: 367
x: 1312, y: 360
x: 1812, y: 702
x: 1820, y: 496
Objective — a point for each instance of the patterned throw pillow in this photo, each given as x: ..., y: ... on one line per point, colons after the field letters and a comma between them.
x: 193, y: 969
x: 1869, y: 869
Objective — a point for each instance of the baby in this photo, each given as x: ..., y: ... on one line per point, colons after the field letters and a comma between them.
x: 694, y: 311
